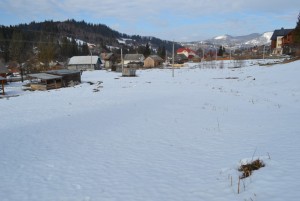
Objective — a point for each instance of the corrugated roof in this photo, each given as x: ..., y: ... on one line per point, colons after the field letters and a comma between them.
x: 63, y: 72
x: 280, y: 32
x: 83, y: 60
x: 134, y: 57
x: 44, y: 76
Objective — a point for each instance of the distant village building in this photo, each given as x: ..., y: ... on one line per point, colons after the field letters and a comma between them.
x: 186, y: 52
x: 153, y: 61
x: 281, y: 38
x: 133, y: 58
x: 85, y: 63
x: 108, y: 59
x: 180, y: 59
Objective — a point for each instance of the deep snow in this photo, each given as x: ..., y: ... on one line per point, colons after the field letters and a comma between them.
x: 154, y: 136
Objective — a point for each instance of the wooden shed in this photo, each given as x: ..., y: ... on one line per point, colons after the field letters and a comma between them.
x: 153, y: 61
x: 2, y: 81
x: 129, y: 72
x: 44, y: 81
x: 68, y: 76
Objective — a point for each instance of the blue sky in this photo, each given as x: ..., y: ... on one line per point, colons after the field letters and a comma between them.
x: 188, y: 20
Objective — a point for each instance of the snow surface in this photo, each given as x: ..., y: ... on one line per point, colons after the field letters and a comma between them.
x: 154, y: 136
x: 223, y: 37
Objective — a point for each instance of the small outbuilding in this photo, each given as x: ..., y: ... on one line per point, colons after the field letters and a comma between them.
x: 69, y: 77
x: 45, y: 81
x: 153, y: 61
x: 129, y: 72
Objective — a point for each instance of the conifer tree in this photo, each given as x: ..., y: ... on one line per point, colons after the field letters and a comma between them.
x: 297, y: 31
x: 47, y: 51
x: 16, y: 46
x: 147, y: 51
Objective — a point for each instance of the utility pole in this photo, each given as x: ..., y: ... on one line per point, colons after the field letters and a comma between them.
x: 173, y: 60
x: 91, y: 60
x: 122, y: 61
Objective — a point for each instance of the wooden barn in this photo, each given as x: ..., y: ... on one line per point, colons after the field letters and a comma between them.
x: 69, y: 77
x: 44, y: 81
x: 133, y: 58
x: 153, y: 61
x: 85, y: 63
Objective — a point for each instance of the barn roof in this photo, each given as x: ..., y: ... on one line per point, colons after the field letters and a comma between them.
x: 107, y: 56
x: 280, y: 32
x: 63, y: 72
x: 44, y: 76
x: 136, y: 57
x: 83, y: 60
x: 156, y: 58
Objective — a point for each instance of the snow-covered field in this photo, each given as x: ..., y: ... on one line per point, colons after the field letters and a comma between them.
x: 154, y: 137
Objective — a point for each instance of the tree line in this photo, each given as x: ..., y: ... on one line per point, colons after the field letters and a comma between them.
x: 50, y: 41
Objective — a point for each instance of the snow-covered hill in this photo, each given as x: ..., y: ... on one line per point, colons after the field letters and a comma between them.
x: 254, y: 39
x: 155, y: 137
x: 251, y: 39
x: 264, y: 39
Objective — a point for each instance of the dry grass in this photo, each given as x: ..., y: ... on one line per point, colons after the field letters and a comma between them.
x: 248, y: 168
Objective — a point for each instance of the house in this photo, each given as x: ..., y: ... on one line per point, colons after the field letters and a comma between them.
x: 56, y: 65
x: 196, y: 58
x: 153, y: 61
x: 108, y: 59
x: 2, y: 81
x: 187, y: 52
x: 180, y: 59
x: 133, y: 58
x: 85, y: 63
x: 44, y: 81
x: 280, y: 38
x: 69, y: 77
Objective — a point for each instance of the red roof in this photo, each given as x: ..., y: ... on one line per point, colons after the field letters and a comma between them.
x: 181, y: 50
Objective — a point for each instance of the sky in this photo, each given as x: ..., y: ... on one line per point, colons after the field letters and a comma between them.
x: 182, y: 21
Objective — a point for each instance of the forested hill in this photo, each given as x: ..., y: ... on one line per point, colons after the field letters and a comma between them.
x: 49, y: 40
